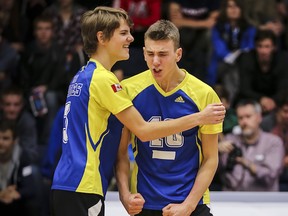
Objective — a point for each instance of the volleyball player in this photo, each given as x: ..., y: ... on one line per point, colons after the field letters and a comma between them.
x: 95, y: 109
x: 171, y: 174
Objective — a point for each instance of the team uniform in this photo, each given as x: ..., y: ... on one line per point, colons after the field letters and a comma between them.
x: 91, y: 133
x: 166, y: 168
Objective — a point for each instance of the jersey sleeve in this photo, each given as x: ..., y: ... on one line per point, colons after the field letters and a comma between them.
x: 109, y: 93
x: 211, y: 97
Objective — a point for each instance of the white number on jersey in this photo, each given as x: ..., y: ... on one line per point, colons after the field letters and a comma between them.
x: 175, y: 140
x: 66, y: 111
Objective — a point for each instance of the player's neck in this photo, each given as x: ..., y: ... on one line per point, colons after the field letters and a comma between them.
x: 172, y: 80
x: 104, y: 60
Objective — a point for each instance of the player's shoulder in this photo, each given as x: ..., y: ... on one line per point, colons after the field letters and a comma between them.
x: 137, y: 79
x: 198, y: 84
x: 137, y: 83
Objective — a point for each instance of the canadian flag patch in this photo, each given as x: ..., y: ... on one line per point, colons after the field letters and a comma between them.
x: 116, y: 87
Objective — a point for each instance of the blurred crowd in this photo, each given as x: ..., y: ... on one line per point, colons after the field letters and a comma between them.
x: 238, y: 47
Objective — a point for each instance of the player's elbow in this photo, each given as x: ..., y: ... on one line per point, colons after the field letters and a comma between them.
x: 143, y: 134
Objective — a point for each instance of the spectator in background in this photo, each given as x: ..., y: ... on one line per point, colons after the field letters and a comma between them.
x: 264, y: 15
x: 13, y: 109
x: 230, y: 120
x: 143, y: 14
x: 14, y: 24
x: 194, y: 20
x: 231, y: 36
x: 66, y: 15
x: 9, y: 59
x: 229, y: 124
x: 263, y: 71
x: 277, y: 123
x: 79, y: 59
x: 43, y: 73
x: 20, y: 181
x: 282, y: 8
x: 253, y: 159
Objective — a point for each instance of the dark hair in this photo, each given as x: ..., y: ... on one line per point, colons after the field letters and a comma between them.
x: 222, y: 92
x: 8, y: 125
x: 282, y: 98
x: 43, y: 18
x: 265, y: 34
x: 12, y: 90
x: 222, y: 19
x: 245, y: 102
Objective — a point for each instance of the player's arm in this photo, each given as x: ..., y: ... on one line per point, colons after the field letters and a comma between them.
x: 203, y: 179
x: 133, y: 203
x: 146, y: 131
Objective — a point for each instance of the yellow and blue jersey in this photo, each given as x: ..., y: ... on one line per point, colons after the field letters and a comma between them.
x: 166, y: 168
x: 91, y: 133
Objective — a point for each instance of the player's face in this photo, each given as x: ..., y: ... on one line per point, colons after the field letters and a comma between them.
x: 12, y: 106
x: 161, y: 58
x: 118, y: 45
x: 6, y: 143
x: 249, y: 120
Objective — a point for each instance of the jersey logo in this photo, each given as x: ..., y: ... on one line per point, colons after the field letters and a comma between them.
x: 179, y: 100
x: 116, y: 87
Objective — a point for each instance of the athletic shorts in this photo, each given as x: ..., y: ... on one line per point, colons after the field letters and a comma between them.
x: 201, y: 210
x: 69, y: 203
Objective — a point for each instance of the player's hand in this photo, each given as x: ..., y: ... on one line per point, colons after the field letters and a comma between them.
x: 134, y: 204
x: 212, y: 114
x: 177, y: 210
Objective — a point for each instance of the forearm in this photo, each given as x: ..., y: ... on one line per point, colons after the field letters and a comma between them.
x: 157, y: 128
x: 154, y: 130
x: 122, y: 177
x: 206, y: 171
x: 122, y: 167
x: 202, y: 182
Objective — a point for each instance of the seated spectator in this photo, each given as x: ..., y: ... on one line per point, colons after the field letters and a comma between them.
x: 230, y: 120
x: 253, y: 159
x: 263, y: 71
x: 66, y: 17
x: 194, y: 20
x: 79, y: 59
x: 13, y: 108
x: 282, y: 8
x: 43, y: 73
x: 229, y: 123
x: 20, y: 181
x: 54, y: 148
x: 9, y: 60
x: 264, y: 15
x: 14, y: 24
x: 277, y: 123
x: 231, y: 36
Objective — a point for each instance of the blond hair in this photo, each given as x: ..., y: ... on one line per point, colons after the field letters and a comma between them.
x: 163, y: 30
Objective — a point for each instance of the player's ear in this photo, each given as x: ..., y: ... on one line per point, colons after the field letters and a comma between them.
x: 144, y: 53
x: 178, y: 54
x: 100, y: 37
